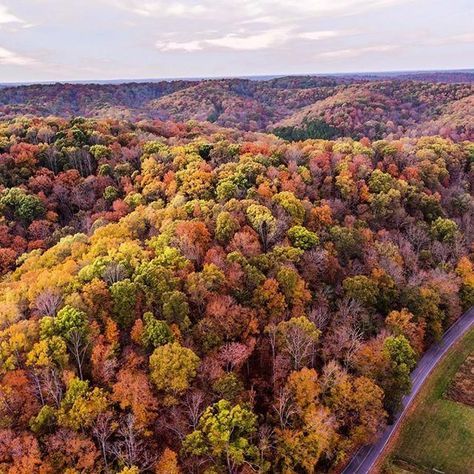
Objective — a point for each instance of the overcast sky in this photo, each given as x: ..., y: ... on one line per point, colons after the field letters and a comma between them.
x: 42, y: 40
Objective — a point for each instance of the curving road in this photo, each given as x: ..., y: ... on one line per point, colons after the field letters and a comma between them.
x: 366, y: 457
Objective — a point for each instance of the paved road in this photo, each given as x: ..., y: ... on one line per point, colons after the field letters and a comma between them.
x: 366, y: 457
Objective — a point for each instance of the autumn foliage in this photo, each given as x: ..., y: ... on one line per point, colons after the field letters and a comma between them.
x: 189, y: 298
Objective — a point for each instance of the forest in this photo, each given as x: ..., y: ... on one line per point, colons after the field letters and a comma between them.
x: 345, y: 106
x: 184, y: 291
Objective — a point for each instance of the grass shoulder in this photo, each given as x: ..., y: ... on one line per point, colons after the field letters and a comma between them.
x: 437, y: 434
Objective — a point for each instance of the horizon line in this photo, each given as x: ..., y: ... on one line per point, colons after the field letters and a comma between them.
x: 242, y: 76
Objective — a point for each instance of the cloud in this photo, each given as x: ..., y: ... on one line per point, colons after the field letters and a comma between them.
x: 454, y: 39
x: 325, y: 7
x: 188, y: 46
x: 253, y: 42
x: 326, y: 34
x: 14, y: 59
x: 238, y: 42
x: 7, y: 17
x: 247, y: 25
x: 266, y: 19
x: 353, y: 52
x: 280, y: 11
x: 159, y: 8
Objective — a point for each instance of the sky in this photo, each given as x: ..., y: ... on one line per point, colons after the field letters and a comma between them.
x: 61, y: 40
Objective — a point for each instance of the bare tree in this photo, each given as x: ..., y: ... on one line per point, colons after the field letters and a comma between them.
x: 102, y: 430
x: 320, y: 316
x: 78, y: 345
x: 330, y: 373
x: 81, y: 159
x: 417, y: 236
x: 342, y: 343
x: 300, y: 344
x: 53, y: 158
x: 410, y: 257
x: 271, y: 332
x: 183, y: 418
x: 48, y: 302
x: 130, y: 449
x: 467, y: 226
x: 38, y: 390
x: 351, y: 338
x: 440, y: 252
x: 284, y: 408
x: 44, y: 135
x: 265, y: 442
x: 194, y: 404
x: 114, y: 272
x: 344, y: 336
x: 349, y: 311
x: 315, y: 261
x: 233, y: 355
x: 48, y: 384
x: 294, y: 154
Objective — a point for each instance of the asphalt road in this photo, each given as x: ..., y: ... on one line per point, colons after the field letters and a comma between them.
x: 366, y: 457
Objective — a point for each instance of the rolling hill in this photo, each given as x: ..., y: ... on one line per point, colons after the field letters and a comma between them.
x: 332, y: 106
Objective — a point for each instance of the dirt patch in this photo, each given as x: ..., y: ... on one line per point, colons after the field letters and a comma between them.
x: 400, y: 466
x: 461, y: 388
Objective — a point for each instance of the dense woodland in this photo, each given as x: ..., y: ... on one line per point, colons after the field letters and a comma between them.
x: 356, y: 107
x: 187, y: 297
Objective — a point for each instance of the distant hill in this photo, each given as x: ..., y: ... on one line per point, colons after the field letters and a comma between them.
x: 458, y: 76
x: 385, y: 108
x: 355, y: 105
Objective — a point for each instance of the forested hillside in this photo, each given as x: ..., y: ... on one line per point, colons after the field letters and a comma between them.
x: 294, y: 107
x: 183, y: 297
x: 387, y: 109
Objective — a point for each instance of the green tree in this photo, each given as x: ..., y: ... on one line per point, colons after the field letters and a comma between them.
x: 155, y: 280
x: 467, y: 296
x: 155, y: 333
x: 428, y: 204
x: 380, y: 182
x: 362, y: 289
x: 294, y: 289
x: 67, y: 322
x: 124, y: 295
x: 100, y: 152
x: 292, y: 205
x: 81, y: 405
x: 176, y: 308
x: 444, y: 230
x: 425, y: 304
x: 384, y: 204
x: 229, y: 386
x: 224, y: 434
x: 302, y: 238
x: 15, y: 203
x: 152, y: 147
x: 111, y: 193
x: 263, y: 222
x: 348, y: 242
x: 70, y: 324
x: 226, y: 189
x: 226, y: 226
x: 402, y: 359
x: 172, y: 367
x: 317, y: 128
x: 43, y: 419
